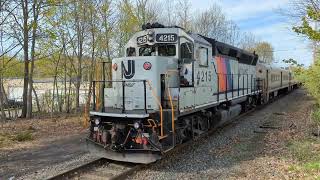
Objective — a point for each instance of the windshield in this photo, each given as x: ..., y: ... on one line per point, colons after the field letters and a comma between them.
x: 166, y: 50
x: 147, y: 51
x: 159, y: 49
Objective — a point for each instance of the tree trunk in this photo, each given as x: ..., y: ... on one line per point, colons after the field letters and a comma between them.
x: 58, y: 97
x: 65, y: 86
x: 55, y: 85
x: 35, y: 9
x: 4, y: 97
x: 24, y: 4
x: 37, y: 99
x: 3, y: 115
x: 53, y: 92
x: 78, y: 94
x: 68, y: 99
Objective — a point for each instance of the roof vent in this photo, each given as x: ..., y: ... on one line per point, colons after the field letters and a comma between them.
x: 151, y: 26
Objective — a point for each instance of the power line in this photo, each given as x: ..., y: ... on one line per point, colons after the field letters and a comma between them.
x: 295, y: 49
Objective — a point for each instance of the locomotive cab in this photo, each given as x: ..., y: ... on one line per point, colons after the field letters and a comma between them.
x: 131, y: 121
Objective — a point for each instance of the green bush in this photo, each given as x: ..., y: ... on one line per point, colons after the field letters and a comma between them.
x: 310, y: 78
x: 316, y: 116
x: 316, y: 120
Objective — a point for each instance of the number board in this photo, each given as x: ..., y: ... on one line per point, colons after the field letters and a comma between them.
x: 166, y: 38
x: 142, y: 39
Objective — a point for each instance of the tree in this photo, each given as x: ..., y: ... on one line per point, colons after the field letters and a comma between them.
x: 25, y: 28
x: 146, y: 11
x: 213, y: 23
x: 292, y: 62
x: 36, y: 10
x: 309, y: 13
x: 312, y: 15
x: 184, y: 14
x: 247, y: 41
x: 294, y: 66
x: 169, y: 16
x: 128, y: 23
x: 310, y: 79
x: 108, y: 24
x: 264, y: 50
x: 210, y: 22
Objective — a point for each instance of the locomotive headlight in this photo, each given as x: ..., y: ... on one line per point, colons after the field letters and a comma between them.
x: 150, y: 36
x: 136, y: 125
x: 115, y: 66
x: 97, y: 121
x: 150, y: 33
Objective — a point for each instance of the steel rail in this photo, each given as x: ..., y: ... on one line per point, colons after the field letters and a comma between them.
x: 90, y: 166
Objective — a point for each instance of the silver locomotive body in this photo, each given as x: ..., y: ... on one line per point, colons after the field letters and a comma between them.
x: 171, y: 86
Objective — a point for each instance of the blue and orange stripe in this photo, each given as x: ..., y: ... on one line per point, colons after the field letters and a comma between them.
x: 224, y: 71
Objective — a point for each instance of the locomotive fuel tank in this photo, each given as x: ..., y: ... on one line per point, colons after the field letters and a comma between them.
x: 225, y: 115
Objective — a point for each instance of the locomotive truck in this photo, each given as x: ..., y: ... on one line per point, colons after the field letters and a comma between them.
x: 172, y: 86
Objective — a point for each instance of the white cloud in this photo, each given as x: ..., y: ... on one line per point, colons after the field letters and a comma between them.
x: 262, y: 19
x: 246, y: 9
x: 285, y: 42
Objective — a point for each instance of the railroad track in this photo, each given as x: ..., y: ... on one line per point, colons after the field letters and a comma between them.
x: 108, y: 169
x: 100, y: 169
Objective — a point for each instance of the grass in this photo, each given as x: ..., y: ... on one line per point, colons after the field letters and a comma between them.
x: 23, y: 136
x: 316, y: 119
x: 306, y: 152
x: 7, y: 139
x: 3, y: 140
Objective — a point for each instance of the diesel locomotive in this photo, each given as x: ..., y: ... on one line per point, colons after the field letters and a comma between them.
x: 172, y: 86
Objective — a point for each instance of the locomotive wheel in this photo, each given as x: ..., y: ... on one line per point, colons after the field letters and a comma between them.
x: 180, y: 136
x: 184, y: 130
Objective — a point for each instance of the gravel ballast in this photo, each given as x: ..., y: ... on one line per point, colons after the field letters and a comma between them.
x: 224, y: 154
x: 237, y: 151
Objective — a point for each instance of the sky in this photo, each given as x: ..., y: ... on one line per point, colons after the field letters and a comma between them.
x: 264, y: 19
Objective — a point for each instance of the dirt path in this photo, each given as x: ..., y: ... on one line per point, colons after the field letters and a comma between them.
x: 36, y: 160
x: 38, y: 148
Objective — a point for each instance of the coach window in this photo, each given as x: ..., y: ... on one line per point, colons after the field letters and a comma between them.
x: 131, y: 51
x: 203, y: 56
x: 186, y: 50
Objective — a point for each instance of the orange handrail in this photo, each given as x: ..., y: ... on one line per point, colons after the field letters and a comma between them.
x: 160, y: 106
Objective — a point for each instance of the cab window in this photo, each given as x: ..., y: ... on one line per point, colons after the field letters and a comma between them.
x: 131, y: 51
x: 147, y: 51
x: 166, y: 50
x: 186, y: 51
x: 203, y: 56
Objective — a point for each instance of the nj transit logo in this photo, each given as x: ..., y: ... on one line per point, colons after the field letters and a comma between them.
x: 128, y: 73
